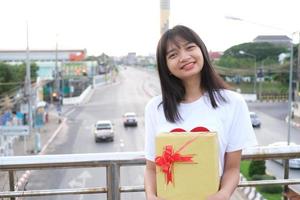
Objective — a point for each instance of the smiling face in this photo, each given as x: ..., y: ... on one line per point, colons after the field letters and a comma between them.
x: 184, y: 59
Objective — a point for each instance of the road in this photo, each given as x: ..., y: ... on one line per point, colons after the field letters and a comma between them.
x: 108, y: 102
x: 129, y: 94
x: 274, y: 129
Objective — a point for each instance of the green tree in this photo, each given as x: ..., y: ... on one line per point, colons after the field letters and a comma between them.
x: 12, y: 76
x: 262, y: 51
x: 6, y: 76
x: 21, y: 71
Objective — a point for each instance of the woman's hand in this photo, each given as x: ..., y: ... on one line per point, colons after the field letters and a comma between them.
x: 153, y: 197
x: 219, y: 196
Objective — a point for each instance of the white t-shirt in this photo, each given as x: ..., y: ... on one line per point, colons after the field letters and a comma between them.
x: 231, y: 121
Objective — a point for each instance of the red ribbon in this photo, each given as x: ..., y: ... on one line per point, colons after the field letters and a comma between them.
x: 169, y: 157
x: 167, y: 160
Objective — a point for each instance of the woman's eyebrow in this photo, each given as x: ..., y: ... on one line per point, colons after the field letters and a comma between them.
x: 174, y: 49
x: 170, y: 51
x: 187, y: 43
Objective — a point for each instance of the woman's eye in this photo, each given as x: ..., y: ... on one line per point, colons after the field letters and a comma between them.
x: 171, y: 56
x: 191, y: 46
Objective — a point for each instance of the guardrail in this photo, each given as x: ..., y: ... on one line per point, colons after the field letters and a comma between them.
x: 112, y: 162
x: 274, y: 97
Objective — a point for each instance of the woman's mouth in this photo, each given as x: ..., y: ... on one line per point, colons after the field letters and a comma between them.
x: 188, y: 66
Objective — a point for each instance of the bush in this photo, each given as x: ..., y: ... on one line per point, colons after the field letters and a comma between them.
x: 257, y: 167
x: 271, y: 189
x: 258, y: 177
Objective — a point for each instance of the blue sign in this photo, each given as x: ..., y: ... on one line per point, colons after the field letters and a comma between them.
x: 39, y: 120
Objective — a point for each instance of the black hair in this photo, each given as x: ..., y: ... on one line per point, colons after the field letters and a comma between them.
x: 173, y: 90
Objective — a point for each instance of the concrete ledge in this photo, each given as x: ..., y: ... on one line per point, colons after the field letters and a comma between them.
x: 79, y: 99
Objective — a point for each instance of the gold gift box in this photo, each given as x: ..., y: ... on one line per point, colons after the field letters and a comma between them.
x: 191, y: 180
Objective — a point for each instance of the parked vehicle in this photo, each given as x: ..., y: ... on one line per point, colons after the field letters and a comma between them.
x: 293, y: 163
x: 130, y: 119
x: 104, y: 130
x: 255, y: 120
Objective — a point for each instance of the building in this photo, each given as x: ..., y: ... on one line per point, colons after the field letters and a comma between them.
x: 45, y: 59
x: 131, y: 59
x: 164, y: 15
x: 42, y: 55
x: 215, y: 55
x: 281, y: 40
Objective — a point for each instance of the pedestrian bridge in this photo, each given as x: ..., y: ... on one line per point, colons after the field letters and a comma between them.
x: 112, y: 162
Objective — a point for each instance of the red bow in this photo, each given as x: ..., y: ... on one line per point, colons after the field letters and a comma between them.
x: 168, y: 158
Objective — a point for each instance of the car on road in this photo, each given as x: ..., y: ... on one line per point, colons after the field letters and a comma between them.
x: 293, y: 163
x: 255, y: 121
x: 104, y: 130
x: 130, y: 119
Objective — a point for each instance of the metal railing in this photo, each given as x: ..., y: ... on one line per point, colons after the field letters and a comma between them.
x: 112, y: 162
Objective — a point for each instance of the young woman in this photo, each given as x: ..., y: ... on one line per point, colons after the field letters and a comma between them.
x: 194, y: 95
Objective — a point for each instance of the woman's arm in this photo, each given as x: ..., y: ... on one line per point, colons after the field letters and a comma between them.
x: 230, y: 178
x: 150, y: 181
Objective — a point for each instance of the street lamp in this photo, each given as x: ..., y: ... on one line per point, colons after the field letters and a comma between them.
x: 255, y: 59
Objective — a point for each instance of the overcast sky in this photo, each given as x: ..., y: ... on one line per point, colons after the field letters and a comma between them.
x: 117, y: 27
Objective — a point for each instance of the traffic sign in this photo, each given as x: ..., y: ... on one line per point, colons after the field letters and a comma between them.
x: 260, y: 73
x: 14, y: 130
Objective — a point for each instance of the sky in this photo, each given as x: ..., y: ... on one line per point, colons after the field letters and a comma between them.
x: 116, y: 27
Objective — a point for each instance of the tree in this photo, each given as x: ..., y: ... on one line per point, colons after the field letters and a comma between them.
x: 21, y: 72
x: 12, y: 77
x: 263, y: 51
x: 6, y: 76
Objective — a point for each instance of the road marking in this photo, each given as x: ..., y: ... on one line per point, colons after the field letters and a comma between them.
x: 52, y: 137
x: 80, y: 181
x: 122, y: 143
x: 69, y: 112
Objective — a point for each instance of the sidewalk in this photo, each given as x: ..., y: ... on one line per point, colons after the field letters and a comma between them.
x: 295, y: 122
x: 27, y: 147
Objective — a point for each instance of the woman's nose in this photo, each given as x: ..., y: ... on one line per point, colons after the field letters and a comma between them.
x: 184, y: 56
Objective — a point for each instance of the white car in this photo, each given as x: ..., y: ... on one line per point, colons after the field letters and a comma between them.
x: 293, y: 163
x: 130, y: 119
x: 254, y: 120
x: 104, y: 130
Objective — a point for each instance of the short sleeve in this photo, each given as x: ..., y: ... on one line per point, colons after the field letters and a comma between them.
x: 150, y: 132
x: 241, y: 134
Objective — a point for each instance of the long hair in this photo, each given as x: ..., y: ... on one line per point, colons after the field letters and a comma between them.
x: 173, y: 90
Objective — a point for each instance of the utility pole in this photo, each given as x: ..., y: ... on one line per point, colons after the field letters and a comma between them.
x: 297, y: 95
x: 164, y: 15
x: 286, y: 162
x: 29, y: 100
x: 57, y: 83
x: 28, y: 86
